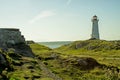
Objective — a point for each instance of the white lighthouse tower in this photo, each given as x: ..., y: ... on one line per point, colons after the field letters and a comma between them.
x: 95, y: 29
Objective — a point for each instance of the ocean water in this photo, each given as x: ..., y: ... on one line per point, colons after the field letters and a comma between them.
x: 55, y: 44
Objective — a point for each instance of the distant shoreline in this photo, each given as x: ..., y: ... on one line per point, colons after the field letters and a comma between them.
x: 54, y: 44
x: 53, y: 41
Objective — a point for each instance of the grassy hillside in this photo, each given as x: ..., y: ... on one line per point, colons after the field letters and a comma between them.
x: 96, y: 45
x: 17, y: 67
x: 80, y: 60
x: 107, y: 52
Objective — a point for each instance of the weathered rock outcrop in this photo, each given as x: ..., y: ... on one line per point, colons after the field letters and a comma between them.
x: 10, y: 36
x: 83, y: 63
x: 12, y: 48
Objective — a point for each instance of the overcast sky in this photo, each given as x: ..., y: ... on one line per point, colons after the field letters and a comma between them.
x: 61, y: 20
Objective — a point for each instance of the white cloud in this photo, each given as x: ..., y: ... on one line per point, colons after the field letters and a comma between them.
x: 68, y: 2
x: 43, y: 14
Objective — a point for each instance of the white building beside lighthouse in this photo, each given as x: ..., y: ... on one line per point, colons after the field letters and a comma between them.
x: 95, y: 29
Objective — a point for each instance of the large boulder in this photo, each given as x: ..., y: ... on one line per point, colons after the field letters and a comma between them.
x: 87, y: 63
x: 83, y: 63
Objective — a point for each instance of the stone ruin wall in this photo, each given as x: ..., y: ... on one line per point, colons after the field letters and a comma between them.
x: 10, y: 36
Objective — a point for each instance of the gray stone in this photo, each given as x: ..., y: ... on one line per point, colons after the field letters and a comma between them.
x: 2, y: 59
x: 10, y: 36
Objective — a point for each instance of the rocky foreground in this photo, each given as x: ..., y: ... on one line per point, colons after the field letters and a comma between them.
x: 37, y: 62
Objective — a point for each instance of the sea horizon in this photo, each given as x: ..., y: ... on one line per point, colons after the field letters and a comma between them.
x: 54, y: 44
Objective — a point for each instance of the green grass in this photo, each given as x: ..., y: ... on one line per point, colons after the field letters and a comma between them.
x: 23, y: 71
x: 46, y: 79
x: 39, y: 49
x: 105, y: 52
